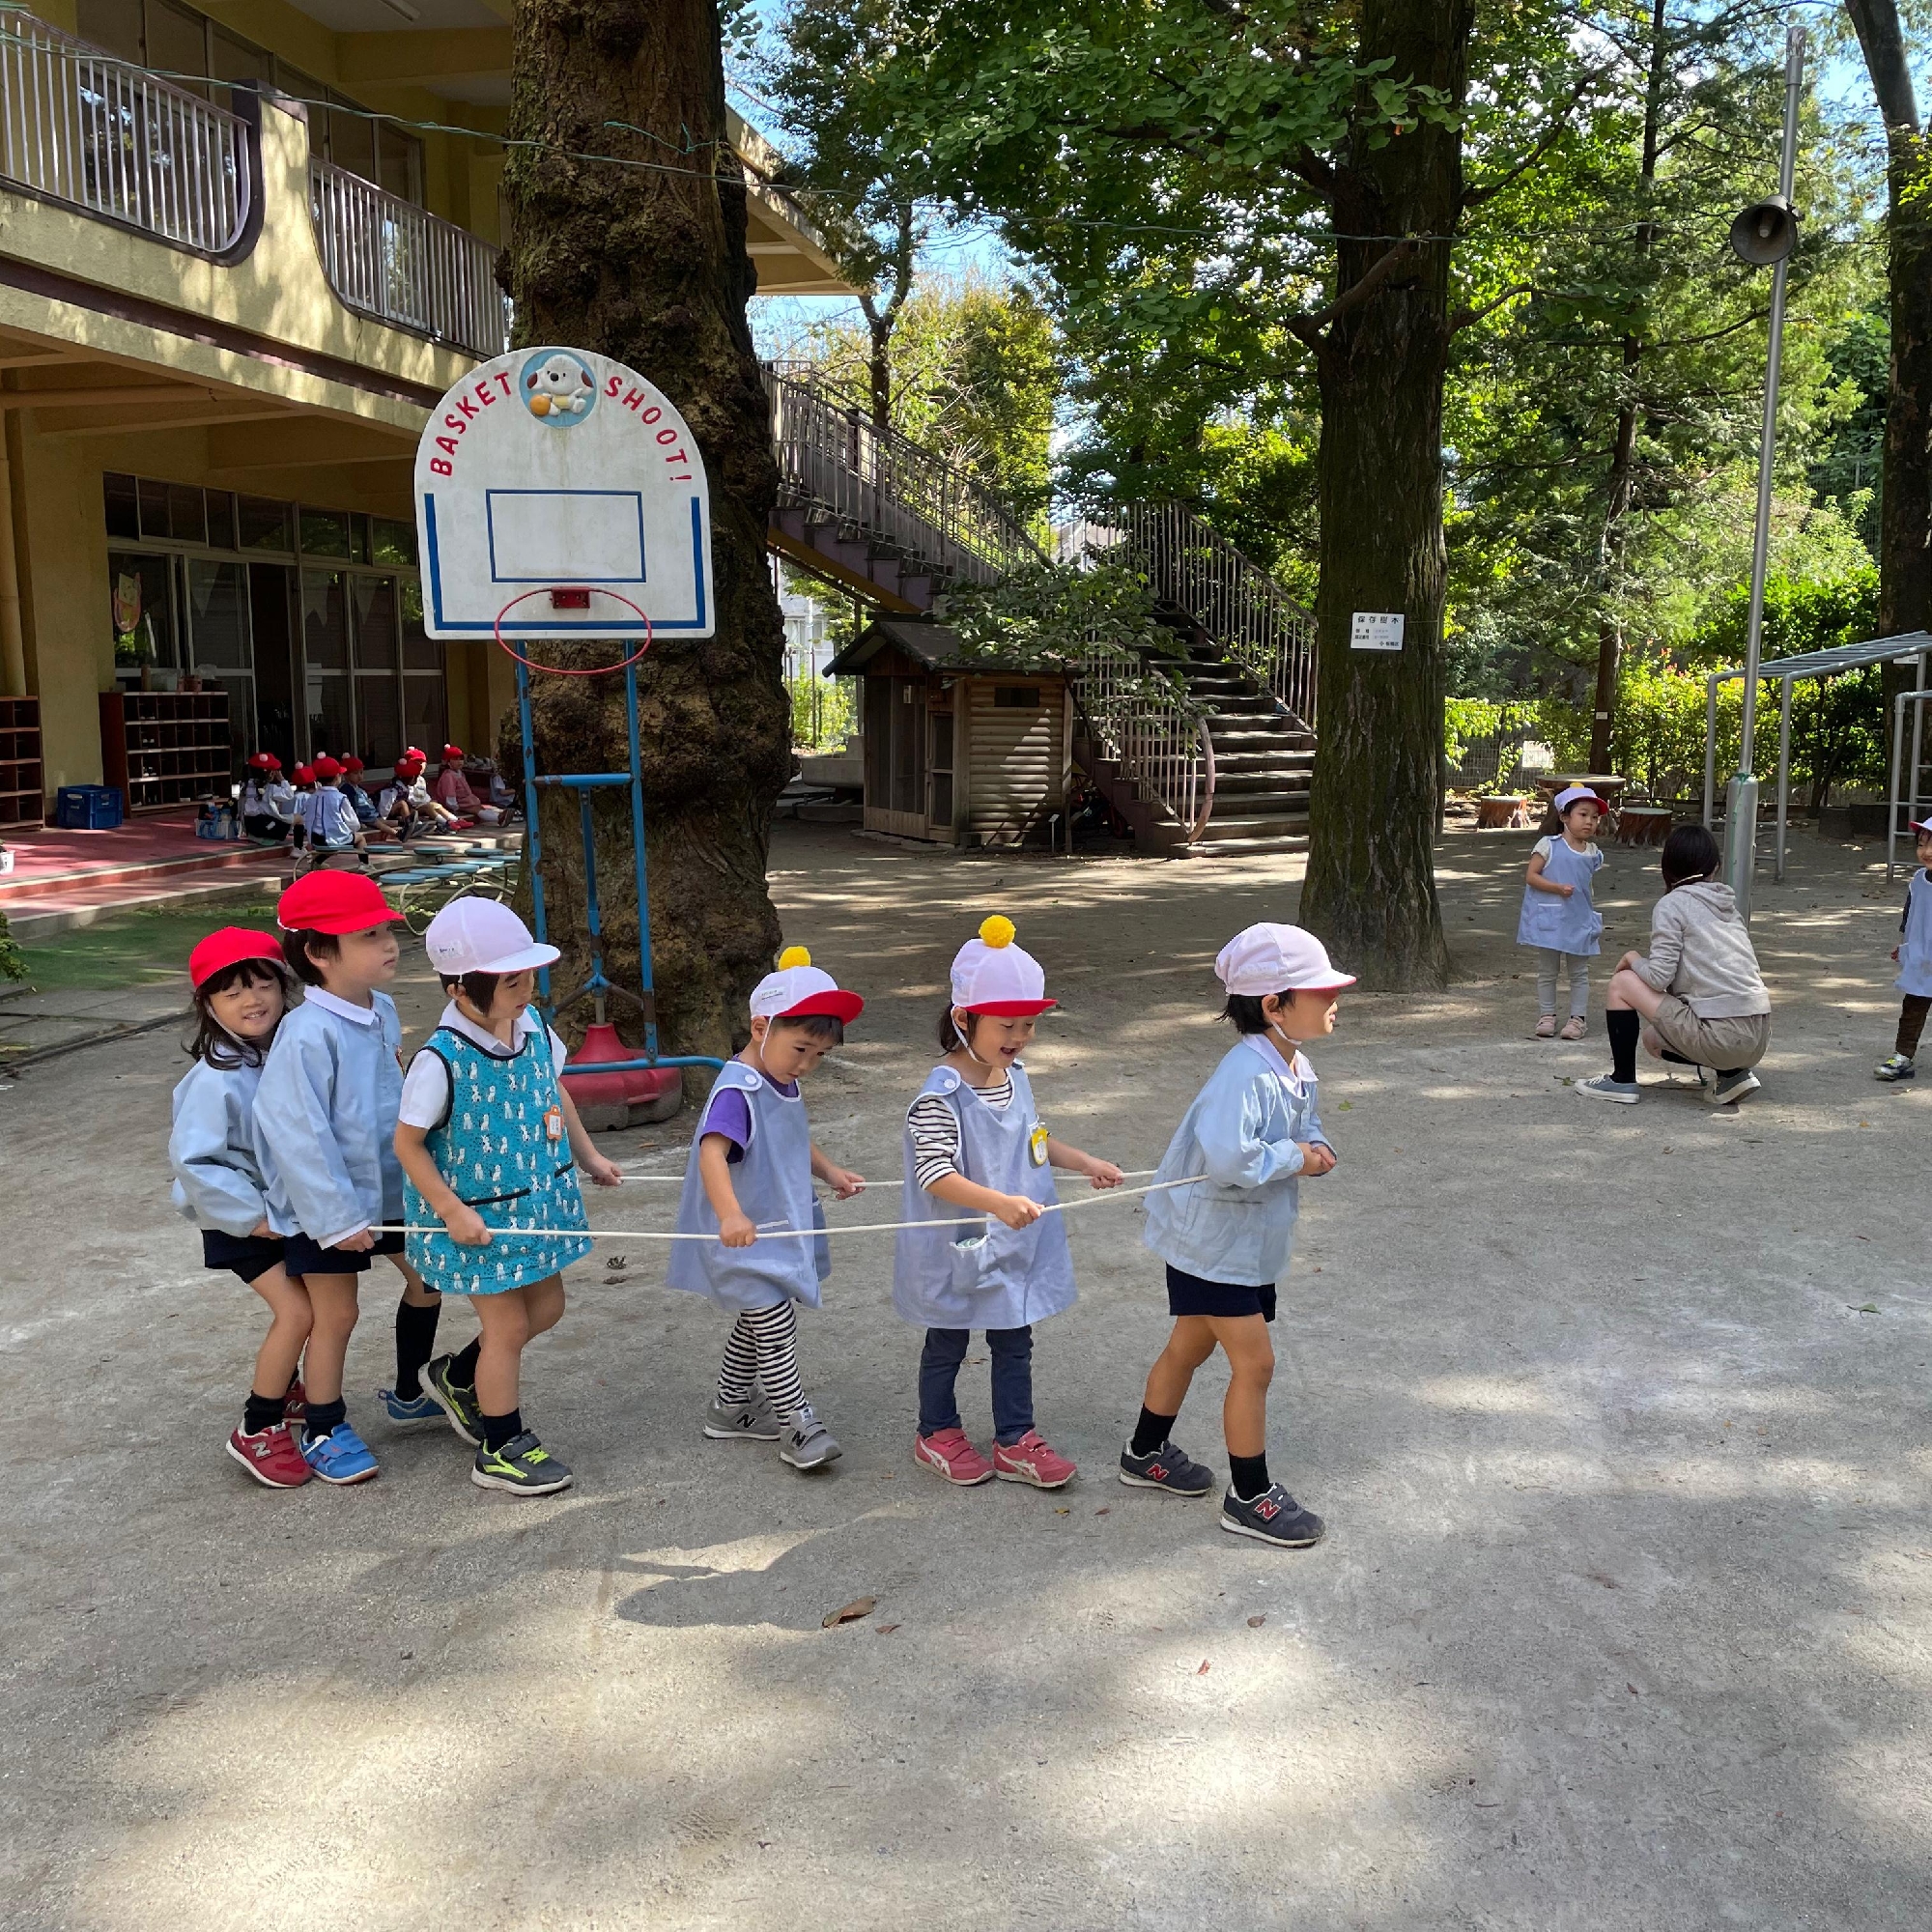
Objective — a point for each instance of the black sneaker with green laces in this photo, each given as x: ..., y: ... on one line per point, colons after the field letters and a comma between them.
x: 523, y: 1466
x: 457, y: 1402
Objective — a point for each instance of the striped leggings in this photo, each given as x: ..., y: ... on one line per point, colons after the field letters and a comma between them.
x: 762, y: 1351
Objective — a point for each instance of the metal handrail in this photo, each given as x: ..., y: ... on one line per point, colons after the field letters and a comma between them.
x: 82, y: 126
x: 1160, y: 744
x: 830, y: 456
x: 390, y: 260
x: 1252, y: 619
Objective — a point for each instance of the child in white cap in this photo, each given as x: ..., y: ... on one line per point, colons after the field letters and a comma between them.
x: 488, y: 1143
x: 1914, y: 955
x: 975, y: 1145
x: 751, y: 1166
x: 1252, y: 1131
x: 1557, y: 917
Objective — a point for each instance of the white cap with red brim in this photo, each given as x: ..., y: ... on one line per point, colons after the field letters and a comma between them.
x: 1269, y: 959
x: 1578, y: 795
x: 992, y: 974
x: 800, y: 990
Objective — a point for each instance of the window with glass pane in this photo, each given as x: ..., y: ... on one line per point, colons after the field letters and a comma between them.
x: 220, y: 520
x: 241, y: 692
x: 324, y: 534
x: 379, y: 720
x: 331, y: 714
x: 153, y: 508
x: 234, y: 59
x: 351, y: 139
x: 124, y: 508
x: 424, y: 715
x: 187, y: 516
x: 266, y: 524
x: 113, y: 24
x: 419, y: 652
x: 391, y: 542
x: 177, y: 44
x: 217, y: 607
x: 141, y: 601
x: 324, y: 619
x: 399, y: 162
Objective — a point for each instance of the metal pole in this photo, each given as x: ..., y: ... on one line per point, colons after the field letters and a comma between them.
x: 1741, y: 826
x: 1891, y: 804
x: 1784, y: 778
x: 532, y: 840
x: 1918, y: 761
x: 1710, y: 749
x: 647, y: 983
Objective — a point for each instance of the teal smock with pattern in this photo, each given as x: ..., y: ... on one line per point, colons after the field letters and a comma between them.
x: 503, y: 1149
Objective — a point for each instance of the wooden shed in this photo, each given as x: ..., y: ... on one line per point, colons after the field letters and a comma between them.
x: 957, y: 751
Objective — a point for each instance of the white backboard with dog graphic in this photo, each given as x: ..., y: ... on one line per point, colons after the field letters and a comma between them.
x: 564, y: 486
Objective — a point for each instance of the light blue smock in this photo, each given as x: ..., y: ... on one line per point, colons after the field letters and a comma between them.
x: 773, y: 1183
x: 1237, y: 1226
x: 211, y: 1149
x: 1564, y: 926
x: 1915, y: 940
x: 504, y: 1149
x: 1006, y: 1277
x: 326, y: 1122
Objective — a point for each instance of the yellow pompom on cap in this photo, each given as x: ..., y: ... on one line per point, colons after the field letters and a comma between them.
x: 996, y: 932
x: 793, y: 955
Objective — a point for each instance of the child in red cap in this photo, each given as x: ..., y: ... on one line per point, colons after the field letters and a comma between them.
x: 325, y: 1116
x: 241, y: 987
x: 267, y: 800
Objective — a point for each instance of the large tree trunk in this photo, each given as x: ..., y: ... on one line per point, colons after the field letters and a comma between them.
x: 648, y: 265
x: 1371, y: 888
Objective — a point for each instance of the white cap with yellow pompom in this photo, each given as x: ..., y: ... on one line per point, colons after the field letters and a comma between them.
x: 799, y: 989
x: 992, y: 974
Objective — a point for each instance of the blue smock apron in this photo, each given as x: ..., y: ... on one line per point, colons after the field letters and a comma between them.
x: 1006, y: 1277
x: 773, y: 1183
x: 1914, y: 943
x: 503, y: 1150
x: 1564, y: 926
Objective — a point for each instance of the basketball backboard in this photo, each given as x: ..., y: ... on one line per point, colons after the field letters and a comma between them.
x: 560, y: 469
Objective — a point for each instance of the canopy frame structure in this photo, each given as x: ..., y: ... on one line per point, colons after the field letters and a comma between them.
x: 1906, y: 795
x: 1909, y: 647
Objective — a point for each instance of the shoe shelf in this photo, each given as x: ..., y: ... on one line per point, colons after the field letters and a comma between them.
x: 23, y: 776
x: 163, y: 748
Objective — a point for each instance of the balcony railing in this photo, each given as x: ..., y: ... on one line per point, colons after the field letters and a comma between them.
x: 390, y: 260
x: 78, y: 125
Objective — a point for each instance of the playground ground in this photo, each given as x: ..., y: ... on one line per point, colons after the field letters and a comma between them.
x: 1618, y: 1417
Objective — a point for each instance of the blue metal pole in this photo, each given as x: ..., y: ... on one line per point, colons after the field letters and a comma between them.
x: 596, y: 983
x: 644, y: 975
x: 532, y: 843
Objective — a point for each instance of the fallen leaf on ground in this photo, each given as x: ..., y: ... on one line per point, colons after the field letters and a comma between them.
x: 1862, y: 1307
x: 859, y: 1606
x: 885, y: 1630
x: 620, y: 1261
x: 1064, y: 1509
x: 1203, y: 1671
x: 1255, y: 1623
x: 1103, y: 1509
x: 1633, y: 1689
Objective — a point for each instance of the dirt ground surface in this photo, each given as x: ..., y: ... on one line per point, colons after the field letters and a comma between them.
x: 1617, y: 1416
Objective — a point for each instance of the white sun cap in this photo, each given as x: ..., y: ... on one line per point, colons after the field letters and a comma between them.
x: 478, y: 935
x: 992, y: 974
x: 799, y: 990
x: 1269, y: 959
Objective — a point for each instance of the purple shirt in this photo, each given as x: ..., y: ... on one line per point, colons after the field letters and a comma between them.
x: 730, y: 1114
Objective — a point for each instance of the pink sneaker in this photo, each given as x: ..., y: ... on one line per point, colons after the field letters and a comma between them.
x: 948, y: 1451
x: 1030, y: 1461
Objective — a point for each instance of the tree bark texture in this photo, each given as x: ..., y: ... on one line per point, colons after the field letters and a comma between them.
x: 1381, y: 364
x: 647, y: 263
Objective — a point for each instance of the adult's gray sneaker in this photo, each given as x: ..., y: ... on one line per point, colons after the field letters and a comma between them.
x: 1603, y: 1088
x: 741, y: 1421
x: 1732, y: 1087
x: 807, y: 1443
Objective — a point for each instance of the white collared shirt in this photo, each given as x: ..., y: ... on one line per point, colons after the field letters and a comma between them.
x: 426, y: 1085
x: 1297, y: 1073
x: 330, y: 1003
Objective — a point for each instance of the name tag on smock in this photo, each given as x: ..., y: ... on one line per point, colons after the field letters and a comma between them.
x: 1036, y: 1145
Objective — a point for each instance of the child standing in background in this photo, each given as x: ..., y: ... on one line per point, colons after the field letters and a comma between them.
x: 752, y: 1167
x: 325, y: 1130
x: 975, y: 1142
x: 1557, y: 916
x: 242, y: 988
x: 1914, y: 953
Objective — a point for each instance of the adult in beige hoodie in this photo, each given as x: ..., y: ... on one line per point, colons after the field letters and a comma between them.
x: 1699, y: 990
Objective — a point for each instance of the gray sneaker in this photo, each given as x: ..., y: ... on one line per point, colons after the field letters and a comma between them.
x: 1603, y: 1088
x: 808, y: 1444
x: 1732, y: 1087
x: 741, y: 1421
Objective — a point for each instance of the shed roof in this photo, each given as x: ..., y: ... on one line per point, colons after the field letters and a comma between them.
x: 923, y: 639
x: 1844, y: 657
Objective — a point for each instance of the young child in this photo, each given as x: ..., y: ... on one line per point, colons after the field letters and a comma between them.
x: 267, y: 800
x: 327, y: 817
x: 1700, y: 991
x: 1253, y: 1132
x: 452, y: 790
x: 1557, y: 917
x: 975, y: 1145
x: 242, y: 988
x: 325, y: 1132
x: 1914, y: 955
x: 489, y: 1141
x: 359, y: 801
x: 751, y: 1166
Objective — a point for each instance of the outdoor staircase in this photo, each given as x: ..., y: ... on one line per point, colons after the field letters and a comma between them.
x: 1264, y: 759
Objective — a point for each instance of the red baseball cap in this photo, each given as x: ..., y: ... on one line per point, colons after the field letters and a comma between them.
x: 265, y: 762
x: 350, y: 762
x: 452, y: 754
x: 416, y: 753
x: 325, y: 767
x: 407, y: 768
x: 335, y: 903
x: 229, y: 946
x: 304, y: 775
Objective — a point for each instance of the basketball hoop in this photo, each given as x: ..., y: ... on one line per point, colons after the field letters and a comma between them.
x: 573, y: 591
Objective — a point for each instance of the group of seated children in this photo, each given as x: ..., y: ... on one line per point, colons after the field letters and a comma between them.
x: 328, y: 807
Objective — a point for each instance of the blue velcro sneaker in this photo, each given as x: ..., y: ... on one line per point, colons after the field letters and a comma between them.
x: 340, y: 1457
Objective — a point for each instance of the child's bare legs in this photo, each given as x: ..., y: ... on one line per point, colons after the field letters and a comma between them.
x: 1244, y: 1340
x: 416, y: 1292
x: 290, y: 1320
x: 510, y: 1320
x: 333, y: 1309
x: 1173, y: 1373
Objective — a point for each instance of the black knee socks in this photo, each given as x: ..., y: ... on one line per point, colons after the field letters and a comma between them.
x: 416, y: 1344
x: 1149, y: 1433
x: 463, y: 1364
x: 1623, y: 1027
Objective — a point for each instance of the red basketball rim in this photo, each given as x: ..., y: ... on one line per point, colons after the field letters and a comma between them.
x: 560, y: 671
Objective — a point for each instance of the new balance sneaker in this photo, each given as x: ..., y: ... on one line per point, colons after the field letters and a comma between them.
x: 341, y: 1456
x: 1031, y: 1459
x: 294, y: 1404
x: 741, y: 1421
x: 416, y: 1409
x: 1272, y: 1516
x: 459, y: 1404
x: 1899, y: 1066
x: 271, y: 1457
x: 1728, y: 1087
x: 523, y: 1466
x: 806, y: 1443
x: 1603, y: 1088
x: 948, y: 1452
x: 1167, y: 1468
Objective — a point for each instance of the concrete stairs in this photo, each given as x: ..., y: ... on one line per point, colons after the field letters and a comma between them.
x: 1264, y: 759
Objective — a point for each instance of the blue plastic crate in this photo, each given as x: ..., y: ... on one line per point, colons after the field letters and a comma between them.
x: 87, y: 807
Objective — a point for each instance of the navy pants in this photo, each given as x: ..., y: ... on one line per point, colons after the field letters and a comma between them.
x: 1011, y: 1351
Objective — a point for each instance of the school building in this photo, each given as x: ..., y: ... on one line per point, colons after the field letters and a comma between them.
x: 234, y: 275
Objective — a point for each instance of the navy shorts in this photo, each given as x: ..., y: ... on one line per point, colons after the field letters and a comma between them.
x: 1190, y: 1294
x: 303, y: 1257
x: 250, y: 1256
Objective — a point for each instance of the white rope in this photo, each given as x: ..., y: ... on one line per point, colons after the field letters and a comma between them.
x: 677, y: 1179
x: 779, y: 1233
